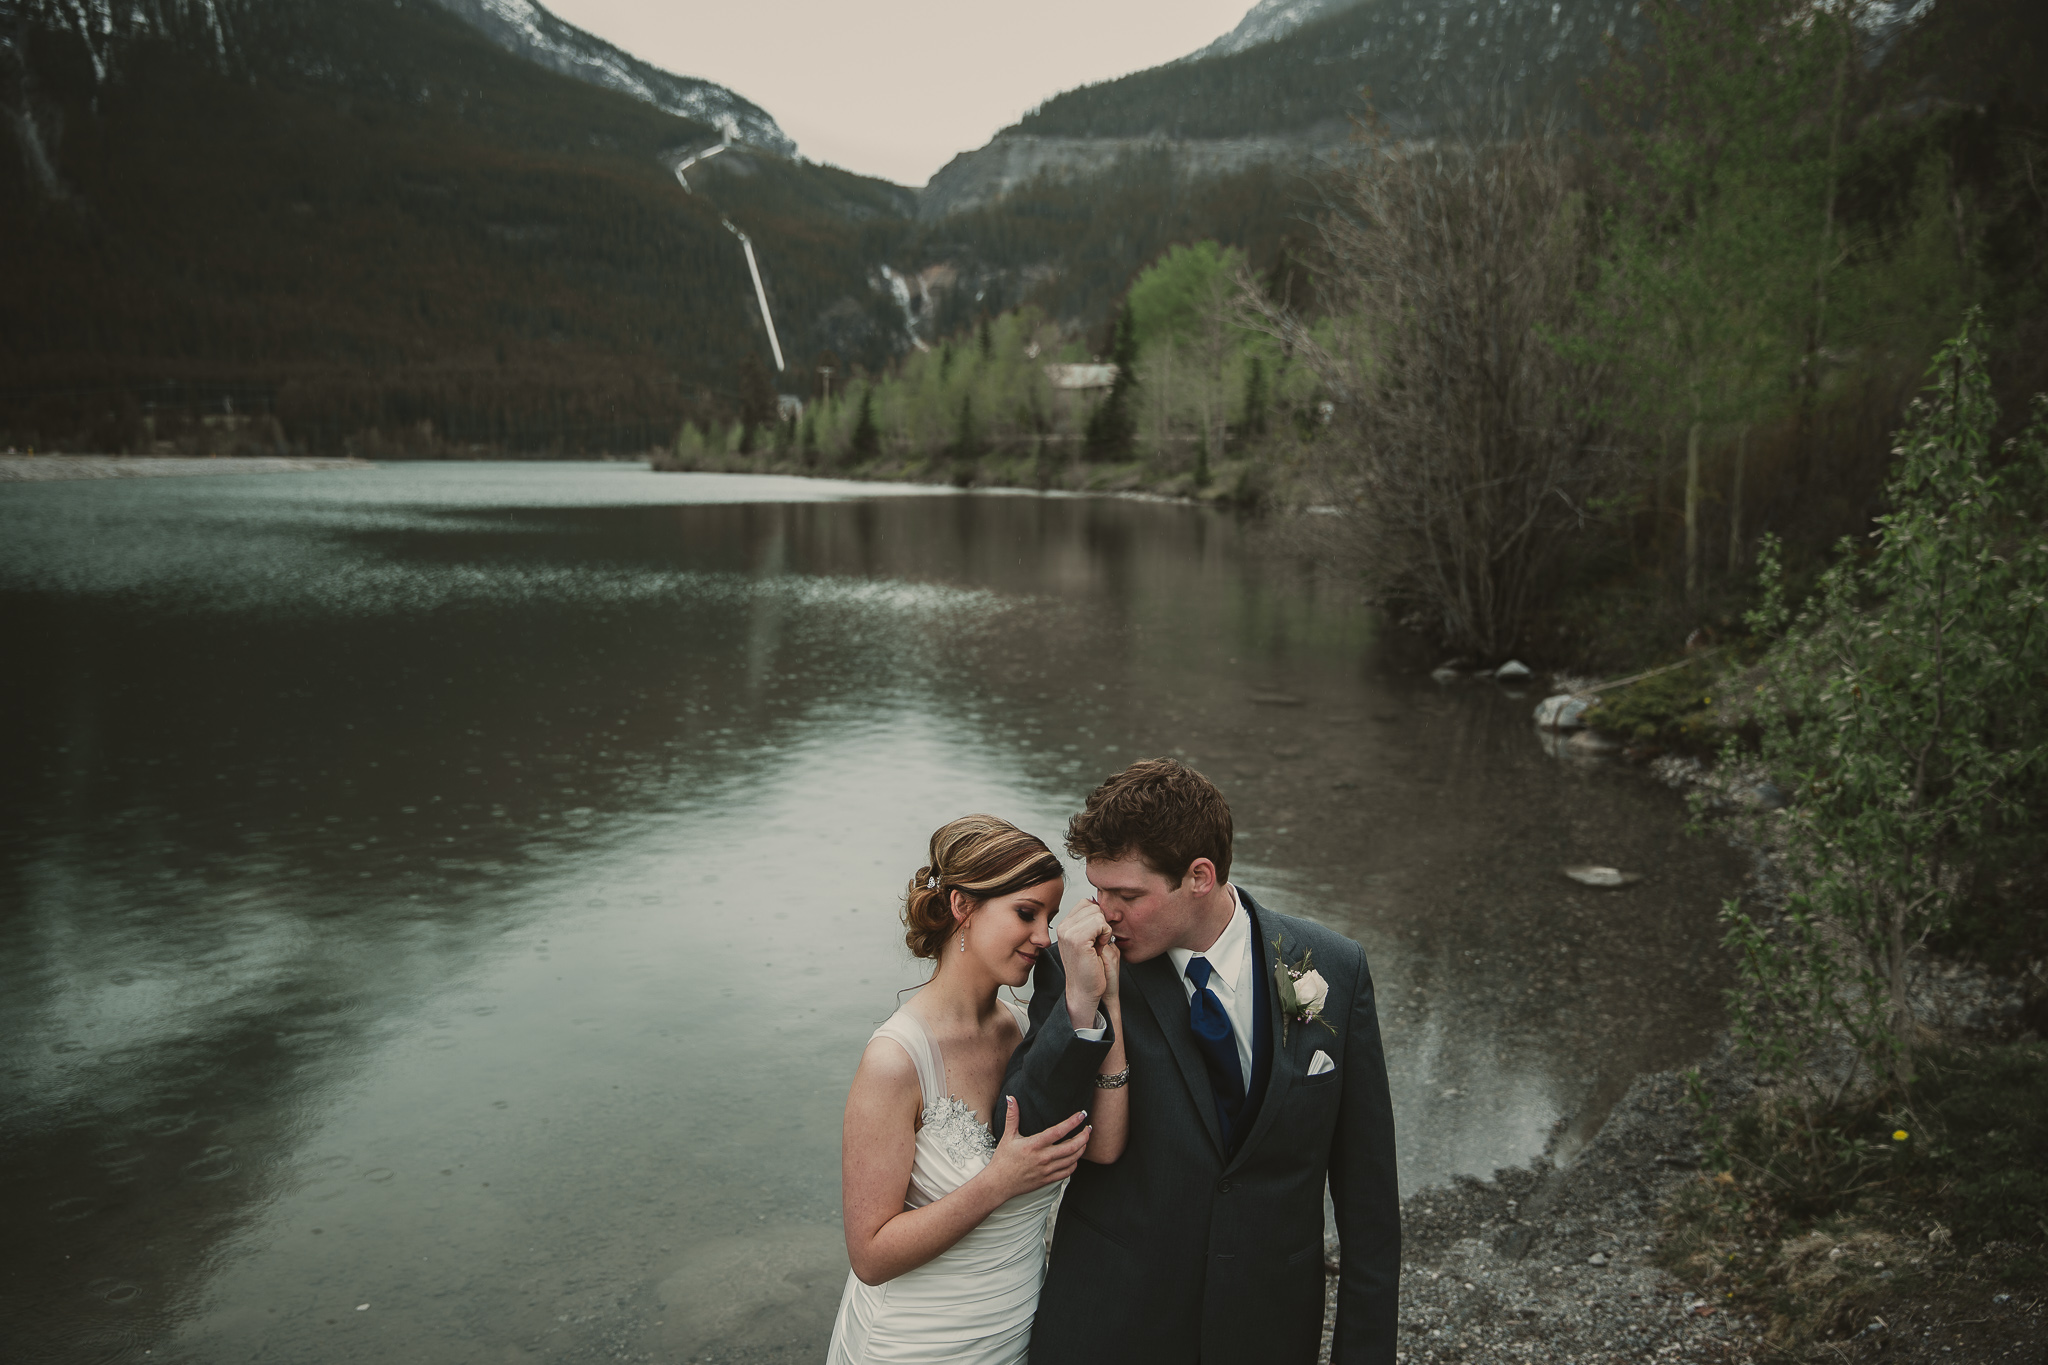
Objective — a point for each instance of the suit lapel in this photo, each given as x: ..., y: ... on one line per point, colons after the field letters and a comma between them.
x: 1280, y: 1064
x: 1163, y: 995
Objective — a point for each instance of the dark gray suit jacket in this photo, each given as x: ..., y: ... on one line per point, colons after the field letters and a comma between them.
x: 1180, y: 1252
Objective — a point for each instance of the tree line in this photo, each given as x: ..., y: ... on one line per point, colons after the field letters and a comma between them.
x: 1570, y: 366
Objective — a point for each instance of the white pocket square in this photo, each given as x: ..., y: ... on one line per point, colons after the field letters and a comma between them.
x: 1320, y: 1063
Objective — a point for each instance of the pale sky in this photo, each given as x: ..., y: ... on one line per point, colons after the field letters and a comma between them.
x: 895, y: 87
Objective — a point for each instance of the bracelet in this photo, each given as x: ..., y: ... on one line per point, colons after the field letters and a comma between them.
x: 1113, y: 1080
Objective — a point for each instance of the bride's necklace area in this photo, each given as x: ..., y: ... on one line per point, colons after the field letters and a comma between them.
x: 963, y: 1138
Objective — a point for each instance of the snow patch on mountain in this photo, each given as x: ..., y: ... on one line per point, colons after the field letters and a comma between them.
x: 529, y: 30
x: 1267, y: 20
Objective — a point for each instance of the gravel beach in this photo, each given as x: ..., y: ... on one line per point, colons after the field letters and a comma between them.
x: 41, y: 468
x: 1554, y: 1265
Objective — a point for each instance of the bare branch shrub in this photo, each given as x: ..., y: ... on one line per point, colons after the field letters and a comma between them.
x: 1464, y: 438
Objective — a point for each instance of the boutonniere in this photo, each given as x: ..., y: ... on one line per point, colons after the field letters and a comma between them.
x: 1301, y: 989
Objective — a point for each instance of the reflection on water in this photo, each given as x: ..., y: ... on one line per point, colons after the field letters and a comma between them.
x: 464, y: 890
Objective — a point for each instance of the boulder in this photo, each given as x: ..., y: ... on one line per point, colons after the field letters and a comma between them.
x: 1514, y: 670
x: 1594, y: 875
x: 1561, y: 712
x: 1592, y: 744
x: 1765, y: 795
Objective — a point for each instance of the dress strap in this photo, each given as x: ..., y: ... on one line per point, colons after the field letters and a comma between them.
x: 907, y: 1031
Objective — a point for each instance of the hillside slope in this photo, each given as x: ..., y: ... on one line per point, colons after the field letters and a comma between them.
x: 363, y: 217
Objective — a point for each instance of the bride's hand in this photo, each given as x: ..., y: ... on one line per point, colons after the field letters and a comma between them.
x: 1023, y: 1164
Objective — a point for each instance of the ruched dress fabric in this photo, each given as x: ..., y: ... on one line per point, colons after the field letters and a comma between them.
x: 973, y: 1303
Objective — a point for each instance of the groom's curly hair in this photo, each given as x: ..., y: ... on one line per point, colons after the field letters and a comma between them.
x: 1162, y: 810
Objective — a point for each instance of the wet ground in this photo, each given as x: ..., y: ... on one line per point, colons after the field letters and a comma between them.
x: 441, y: 906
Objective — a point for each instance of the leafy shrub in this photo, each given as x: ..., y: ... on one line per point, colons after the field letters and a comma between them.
x: 1903, y: 704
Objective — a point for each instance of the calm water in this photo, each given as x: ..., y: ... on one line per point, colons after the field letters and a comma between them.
x: 465, y: 890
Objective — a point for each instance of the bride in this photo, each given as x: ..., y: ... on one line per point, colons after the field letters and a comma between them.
x: 946, y: 1225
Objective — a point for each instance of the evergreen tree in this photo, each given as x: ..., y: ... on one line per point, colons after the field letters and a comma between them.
x: 966, y: 438
x: 757, y: 400
x: 1112, y: 427
x: 867, y: 439
x: 1254, y: 421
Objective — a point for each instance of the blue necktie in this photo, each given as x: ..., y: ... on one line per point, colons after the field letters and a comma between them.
x: 1218, y: 1042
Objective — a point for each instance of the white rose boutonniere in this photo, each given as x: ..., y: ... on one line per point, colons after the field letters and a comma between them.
x: 1311, y: 990
x: 1301, y: 988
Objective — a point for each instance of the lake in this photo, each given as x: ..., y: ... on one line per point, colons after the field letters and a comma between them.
x: 442, y: 906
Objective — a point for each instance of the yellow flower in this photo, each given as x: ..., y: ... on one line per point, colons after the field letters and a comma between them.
x: 1900, y: 1135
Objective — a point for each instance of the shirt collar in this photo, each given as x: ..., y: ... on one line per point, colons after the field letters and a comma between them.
x: 1227, y: 954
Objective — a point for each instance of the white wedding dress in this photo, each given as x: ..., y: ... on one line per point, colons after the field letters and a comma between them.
x: 973, y: 1303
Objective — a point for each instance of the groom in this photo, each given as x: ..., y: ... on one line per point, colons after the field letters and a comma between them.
x: 1204, y: 1243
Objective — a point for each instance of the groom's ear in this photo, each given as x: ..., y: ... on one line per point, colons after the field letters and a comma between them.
x: 1201, y: 877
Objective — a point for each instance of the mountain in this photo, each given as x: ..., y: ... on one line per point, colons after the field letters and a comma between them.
x: 1292, y: 67
x: 105, y: 29
x: 367, y: 220
x: 455, y: 227
x: 1286, y: 86
x: 1235, y: 141
x: 1423, y: 62
x: 1012, y: 161
x: 527, y: 30
x: 1267, y: 20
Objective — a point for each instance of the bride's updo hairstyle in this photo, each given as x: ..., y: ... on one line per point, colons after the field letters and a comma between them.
x: 981, y: 857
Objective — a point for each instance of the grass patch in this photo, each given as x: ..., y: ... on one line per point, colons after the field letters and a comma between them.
x: 1673, y: 710
x: 1813, y: 1223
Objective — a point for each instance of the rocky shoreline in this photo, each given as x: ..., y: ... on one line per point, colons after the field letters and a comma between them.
x: 1559, y: 1264
x: 1568, y: 1264
x: 45, y: 468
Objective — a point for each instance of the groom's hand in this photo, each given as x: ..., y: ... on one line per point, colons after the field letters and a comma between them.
x: 1088, y: 952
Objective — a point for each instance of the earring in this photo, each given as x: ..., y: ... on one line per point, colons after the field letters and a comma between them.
x: 963, y: 940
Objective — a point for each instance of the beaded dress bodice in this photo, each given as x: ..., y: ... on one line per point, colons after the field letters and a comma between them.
x: 972, y: 1304
x: 952, y: 1144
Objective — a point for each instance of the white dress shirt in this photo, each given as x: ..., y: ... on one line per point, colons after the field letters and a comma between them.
x: 1231, y: 981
